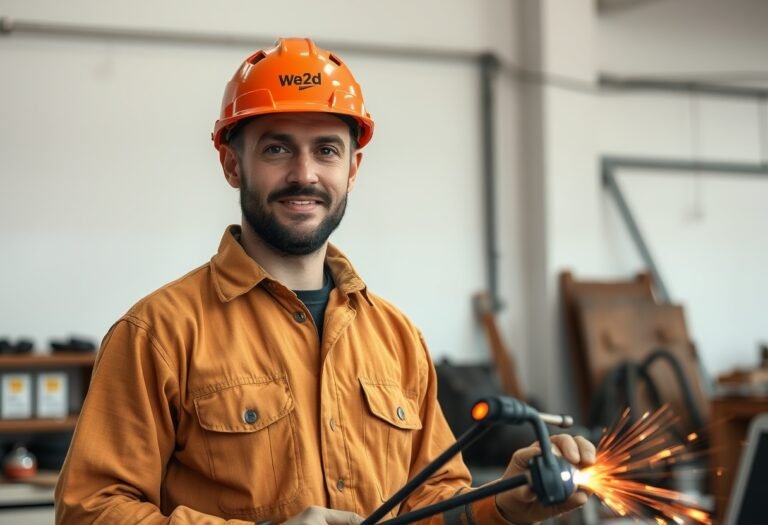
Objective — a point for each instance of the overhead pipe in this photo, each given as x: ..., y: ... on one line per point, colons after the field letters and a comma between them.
x: 489, y: 69
x: 10, y: 25
x: 613, y: 82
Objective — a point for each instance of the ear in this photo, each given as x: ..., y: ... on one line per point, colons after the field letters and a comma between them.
x: 354, y: 165
x: 230, y: 164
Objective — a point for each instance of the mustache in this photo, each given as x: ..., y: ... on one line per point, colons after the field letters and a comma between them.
x: 300, y: 191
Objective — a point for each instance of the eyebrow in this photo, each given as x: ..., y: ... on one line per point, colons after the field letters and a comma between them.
x: 290, y: 139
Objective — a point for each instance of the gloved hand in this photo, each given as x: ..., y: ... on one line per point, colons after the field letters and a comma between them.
x: 519, y: 505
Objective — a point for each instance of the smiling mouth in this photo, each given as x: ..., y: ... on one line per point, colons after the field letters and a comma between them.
x: 299, y: 198
x: 301, y: 202
x: 297, y: 201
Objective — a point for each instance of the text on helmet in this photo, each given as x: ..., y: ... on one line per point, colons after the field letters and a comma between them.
x: 303, y: 81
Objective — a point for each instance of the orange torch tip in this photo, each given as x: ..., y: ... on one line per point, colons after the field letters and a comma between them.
x: 480, y: 411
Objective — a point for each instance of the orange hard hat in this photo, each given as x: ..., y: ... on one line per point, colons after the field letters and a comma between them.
x: 293, y: 76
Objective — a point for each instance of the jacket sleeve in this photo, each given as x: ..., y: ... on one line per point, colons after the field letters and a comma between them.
x: 124, y: 438
x: 453, y: 477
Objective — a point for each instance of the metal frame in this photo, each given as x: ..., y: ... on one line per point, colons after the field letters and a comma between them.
x: 609, y: 82
x: 609, y: 166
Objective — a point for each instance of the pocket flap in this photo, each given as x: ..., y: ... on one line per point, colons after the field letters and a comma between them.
x: 387, y: 401
x: 244, y: 408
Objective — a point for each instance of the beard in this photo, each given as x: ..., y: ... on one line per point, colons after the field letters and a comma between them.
x: 285, y: 239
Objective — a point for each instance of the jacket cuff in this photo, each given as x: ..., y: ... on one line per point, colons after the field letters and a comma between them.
x: 485, y: 511
x: 482, y: 512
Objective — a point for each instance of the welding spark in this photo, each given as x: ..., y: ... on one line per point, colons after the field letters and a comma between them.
x: 631, y: 451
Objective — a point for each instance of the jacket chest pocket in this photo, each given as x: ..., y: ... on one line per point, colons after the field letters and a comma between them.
x: 389, y: 428
x: 250, y: 439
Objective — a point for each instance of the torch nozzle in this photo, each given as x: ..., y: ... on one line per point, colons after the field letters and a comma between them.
x: 558, y: 420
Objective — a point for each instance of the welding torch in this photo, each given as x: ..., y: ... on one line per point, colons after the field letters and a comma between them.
x: 551, y: 477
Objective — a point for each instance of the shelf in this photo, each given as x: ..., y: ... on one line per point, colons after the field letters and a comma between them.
x: 77, y: 365
x: 45, y: 360
x: 37, y: 425
x: 35, y: 491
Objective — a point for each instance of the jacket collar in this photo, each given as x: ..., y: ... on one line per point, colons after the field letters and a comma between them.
x: 234, y: 273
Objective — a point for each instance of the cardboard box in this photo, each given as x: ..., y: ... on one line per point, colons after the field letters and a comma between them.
x: 52, y: 389
x: 16, y: 396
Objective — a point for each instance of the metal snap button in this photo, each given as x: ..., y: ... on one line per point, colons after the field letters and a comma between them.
x: 250, y: 416
x: 340, y: 485
x: 332, y: 424
x: 401, y: 413
x: 299, y: 317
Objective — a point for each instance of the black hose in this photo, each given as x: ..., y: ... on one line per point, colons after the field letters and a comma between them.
x: 462, y: 499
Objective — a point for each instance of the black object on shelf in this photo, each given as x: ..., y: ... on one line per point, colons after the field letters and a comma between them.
x: 73, y: 344
x: 22, y: 346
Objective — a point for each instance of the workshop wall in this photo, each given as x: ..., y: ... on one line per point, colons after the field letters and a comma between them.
x: 111, y: 187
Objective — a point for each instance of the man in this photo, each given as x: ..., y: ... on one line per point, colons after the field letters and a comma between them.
x: 270, y: 385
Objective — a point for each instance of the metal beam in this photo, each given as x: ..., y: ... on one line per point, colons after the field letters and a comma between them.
x: 619, y: 5
x: 10, y: 26
x: 679, y: 86
x: 609, y: 166
x: 614, y: 163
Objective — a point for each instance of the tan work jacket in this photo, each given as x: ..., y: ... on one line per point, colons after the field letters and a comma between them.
x: 213, y: 401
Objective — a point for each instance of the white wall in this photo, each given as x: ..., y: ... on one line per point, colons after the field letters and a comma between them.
x: 675, y: 37
x: 111, y: 187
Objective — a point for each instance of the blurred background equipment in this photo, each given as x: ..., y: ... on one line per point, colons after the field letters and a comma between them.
x: 460, y: 385
x: 741, y: 398
x: 42, y: 394
x: 22, y: 346
x: 73, y: 344
x: 635, y: 356
x: 503, y: 360
x: 19, y: 464
x: 746, y: 504
x: 632, y: 352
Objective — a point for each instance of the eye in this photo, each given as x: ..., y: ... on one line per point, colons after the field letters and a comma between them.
x: 275, y: 149
x: 327, y: 151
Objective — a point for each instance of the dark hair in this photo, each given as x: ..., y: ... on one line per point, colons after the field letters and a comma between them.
x: 234, y: 137
x: 354, y: 128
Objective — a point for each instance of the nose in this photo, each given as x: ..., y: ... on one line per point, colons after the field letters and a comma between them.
x: 302, y: 170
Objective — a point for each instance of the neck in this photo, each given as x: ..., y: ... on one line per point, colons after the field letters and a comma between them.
x: 297, y: 272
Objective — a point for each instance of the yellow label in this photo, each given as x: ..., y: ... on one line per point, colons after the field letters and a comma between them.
x: 52, y: 385
x: 16, y: 385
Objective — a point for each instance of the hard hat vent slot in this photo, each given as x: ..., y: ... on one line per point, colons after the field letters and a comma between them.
x: 333, y: 59
x: 257, y: 57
